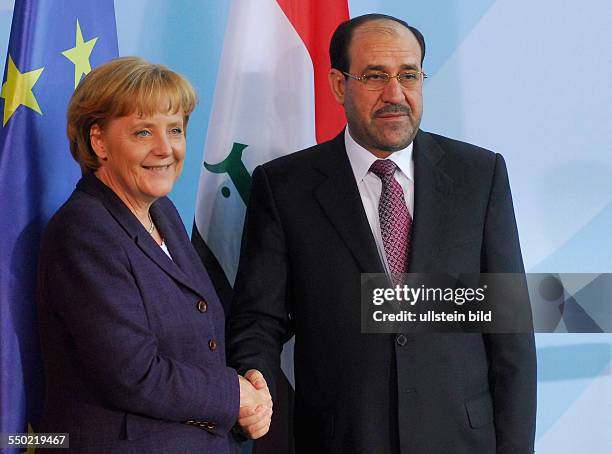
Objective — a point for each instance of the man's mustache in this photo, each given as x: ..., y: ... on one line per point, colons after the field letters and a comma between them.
x: 393, y: 108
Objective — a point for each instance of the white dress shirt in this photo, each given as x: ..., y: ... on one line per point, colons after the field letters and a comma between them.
x: 165, y: 249
x: 370, y: 186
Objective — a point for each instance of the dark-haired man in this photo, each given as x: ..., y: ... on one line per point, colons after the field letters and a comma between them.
x: 383, y: 196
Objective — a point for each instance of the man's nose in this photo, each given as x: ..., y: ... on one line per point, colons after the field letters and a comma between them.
x: 393, y: 91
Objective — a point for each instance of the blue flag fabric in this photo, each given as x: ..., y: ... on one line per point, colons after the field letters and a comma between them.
x: 53, y: 44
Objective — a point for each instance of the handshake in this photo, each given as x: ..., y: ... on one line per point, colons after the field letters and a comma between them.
x: 255, y: 412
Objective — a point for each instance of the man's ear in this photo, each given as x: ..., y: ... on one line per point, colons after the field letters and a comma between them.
x: 97, y: 142
x: 337, y: 83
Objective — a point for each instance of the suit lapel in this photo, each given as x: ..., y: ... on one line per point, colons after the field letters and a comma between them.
x: 121, y: 213
x: 156, y: 254
x: 181, y: 266
x: 339, y: 198
x: 171, y: 238
x: 187, y: 265
x: 434, y: 208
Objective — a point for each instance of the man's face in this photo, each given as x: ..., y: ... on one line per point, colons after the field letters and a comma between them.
x: 386, y: 120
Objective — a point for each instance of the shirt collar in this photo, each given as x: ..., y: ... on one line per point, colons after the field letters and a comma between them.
x: 361, y: 159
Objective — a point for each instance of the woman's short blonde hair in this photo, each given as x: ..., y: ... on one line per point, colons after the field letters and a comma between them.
x: 122, y: 87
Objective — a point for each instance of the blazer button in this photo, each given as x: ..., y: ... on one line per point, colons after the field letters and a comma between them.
x: 401, y: 340
x: 212, y: 344
x: 202, y: 306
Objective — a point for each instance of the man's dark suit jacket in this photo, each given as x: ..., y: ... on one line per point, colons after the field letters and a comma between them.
x: 133, y: 342
x: 306, y: 241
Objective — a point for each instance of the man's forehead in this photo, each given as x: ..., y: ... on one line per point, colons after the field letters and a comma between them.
x: 383, y: 30
x: 384, y: 38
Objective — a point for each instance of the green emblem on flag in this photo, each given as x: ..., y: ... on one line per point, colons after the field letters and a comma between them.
x: 235, y: 168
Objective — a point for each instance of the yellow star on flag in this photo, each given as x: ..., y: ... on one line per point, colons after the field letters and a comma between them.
x: 79, y: 55
x: 17, y: 90
x: 30, y: 450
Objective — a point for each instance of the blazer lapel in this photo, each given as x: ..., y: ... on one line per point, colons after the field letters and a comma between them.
x: 171, y: 238
x: 90, y: 184
x: 183, y: 263
x: 339, y: 197
x: 434, y: 209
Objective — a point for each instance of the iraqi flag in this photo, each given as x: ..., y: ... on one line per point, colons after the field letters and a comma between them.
x: 272, y: 98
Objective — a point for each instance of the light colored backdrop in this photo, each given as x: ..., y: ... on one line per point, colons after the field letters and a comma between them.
x: 528, y: 79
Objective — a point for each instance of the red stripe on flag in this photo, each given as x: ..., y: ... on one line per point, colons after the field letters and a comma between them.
x: 315, y: 22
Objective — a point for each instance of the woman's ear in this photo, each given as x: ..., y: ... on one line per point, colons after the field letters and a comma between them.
x: 97, y: 142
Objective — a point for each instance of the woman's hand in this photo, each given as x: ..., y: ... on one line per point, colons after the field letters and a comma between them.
x: 255, y: 412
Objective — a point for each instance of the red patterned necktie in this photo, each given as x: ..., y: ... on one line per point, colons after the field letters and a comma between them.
x: 395, y: 220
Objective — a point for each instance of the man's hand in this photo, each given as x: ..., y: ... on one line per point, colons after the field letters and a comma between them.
x: 255, y: 404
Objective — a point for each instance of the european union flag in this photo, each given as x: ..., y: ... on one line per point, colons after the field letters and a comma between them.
x: 53, y: 44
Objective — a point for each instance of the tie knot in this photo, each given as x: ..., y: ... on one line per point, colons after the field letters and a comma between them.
x: 383, y: 168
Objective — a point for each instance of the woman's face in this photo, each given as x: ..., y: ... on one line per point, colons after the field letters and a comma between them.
x: 140, y: 157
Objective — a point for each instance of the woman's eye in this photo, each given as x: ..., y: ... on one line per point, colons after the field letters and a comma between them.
x: 176, y: 131
x: 143, y: 133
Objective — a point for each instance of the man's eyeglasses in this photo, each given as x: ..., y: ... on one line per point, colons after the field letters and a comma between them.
x: 379, y: 80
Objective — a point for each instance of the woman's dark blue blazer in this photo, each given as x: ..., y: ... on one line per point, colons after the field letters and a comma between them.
x: 133, y: 341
